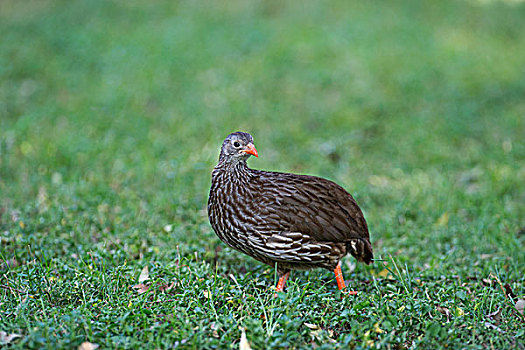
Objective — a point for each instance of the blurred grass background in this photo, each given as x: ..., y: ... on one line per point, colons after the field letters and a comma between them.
x: 112, y: 114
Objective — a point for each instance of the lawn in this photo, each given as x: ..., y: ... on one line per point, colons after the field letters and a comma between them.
x: 111, y: 118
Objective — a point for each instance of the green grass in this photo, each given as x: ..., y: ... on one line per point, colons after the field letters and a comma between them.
x: 111, y: 118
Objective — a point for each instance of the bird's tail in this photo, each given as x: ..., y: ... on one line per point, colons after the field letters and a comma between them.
x: 361, y: 249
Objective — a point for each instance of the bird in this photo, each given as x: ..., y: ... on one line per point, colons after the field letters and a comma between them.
x: 287, y: 221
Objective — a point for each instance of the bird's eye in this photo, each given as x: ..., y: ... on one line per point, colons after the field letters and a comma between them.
x: 236, y: 144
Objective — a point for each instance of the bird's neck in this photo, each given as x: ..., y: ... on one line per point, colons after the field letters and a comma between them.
x: 236, y: 170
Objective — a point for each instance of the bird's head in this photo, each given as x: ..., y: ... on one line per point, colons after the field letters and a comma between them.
x: 238, y: 147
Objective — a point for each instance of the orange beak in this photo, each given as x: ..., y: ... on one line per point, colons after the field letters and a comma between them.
x: 251, y: 150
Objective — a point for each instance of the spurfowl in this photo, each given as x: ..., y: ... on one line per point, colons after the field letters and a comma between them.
x: 285, y: 220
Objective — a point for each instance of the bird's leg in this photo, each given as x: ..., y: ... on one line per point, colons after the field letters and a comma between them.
x: 282, y: 281
x: 339, y: 277
x: 340, y: 280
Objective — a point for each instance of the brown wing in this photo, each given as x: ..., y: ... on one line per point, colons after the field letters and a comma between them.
x: 311, y: 205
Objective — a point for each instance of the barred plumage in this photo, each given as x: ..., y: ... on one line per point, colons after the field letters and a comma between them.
x: 294, y: 221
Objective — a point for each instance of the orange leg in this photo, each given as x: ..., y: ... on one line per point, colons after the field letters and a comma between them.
x: 282, y: 281
x: 340, y: 280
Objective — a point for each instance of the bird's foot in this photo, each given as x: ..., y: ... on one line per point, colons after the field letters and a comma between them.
x: 281, y: 283
x: 348, y: 292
